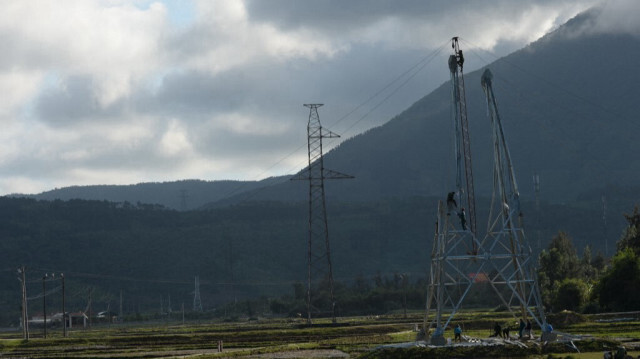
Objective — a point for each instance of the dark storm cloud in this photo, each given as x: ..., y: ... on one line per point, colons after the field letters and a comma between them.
x: 339, y: 15
x: 271, y: 92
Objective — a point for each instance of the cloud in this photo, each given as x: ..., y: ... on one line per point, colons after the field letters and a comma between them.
x: 419, y: 23
x: 620, y: 16
x: 114, y: 45
x: 116, y: 91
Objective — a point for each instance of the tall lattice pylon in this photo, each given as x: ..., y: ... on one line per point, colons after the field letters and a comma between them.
x: 197, y: 303
x: 502, y: 260
x: 319, y: 252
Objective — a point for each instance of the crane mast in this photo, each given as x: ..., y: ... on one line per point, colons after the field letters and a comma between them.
x: 464, y: 171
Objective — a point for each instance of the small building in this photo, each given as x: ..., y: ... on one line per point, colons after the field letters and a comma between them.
x: 78, y: 319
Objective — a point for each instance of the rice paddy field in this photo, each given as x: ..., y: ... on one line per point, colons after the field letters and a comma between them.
x: 389, y: 336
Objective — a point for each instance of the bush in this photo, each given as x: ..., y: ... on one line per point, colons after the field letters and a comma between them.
x: 571, y: 294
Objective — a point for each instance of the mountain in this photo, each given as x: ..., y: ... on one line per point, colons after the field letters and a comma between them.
x: 178, y: 195
x: 567, y: 103
x: 567, y: 107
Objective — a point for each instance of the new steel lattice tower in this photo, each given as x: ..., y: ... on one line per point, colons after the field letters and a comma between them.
x: 319, y: 268
x: 197, y: 303
x: 461, y: 259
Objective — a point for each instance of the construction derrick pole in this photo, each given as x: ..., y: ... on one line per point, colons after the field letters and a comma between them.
x: 464, y: 175
x: 502, y: 260
x: 505, y: 227
x: 319, y: 268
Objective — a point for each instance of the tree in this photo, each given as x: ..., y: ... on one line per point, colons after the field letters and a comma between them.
x: 619, y: 287
x: 631, y: 237
x: 588, y: 265
x: 571, y: 294
x: 557, y: 263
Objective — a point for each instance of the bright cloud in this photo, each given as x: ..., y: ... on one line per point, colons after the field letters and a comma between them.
x: 123, y: 91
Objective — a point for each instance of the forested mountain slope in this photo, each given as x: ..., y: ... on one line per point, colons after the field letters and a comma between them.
x: 568, y: 104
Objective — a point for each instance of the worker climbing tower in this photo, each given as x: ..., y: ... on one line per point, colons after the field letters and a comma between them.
x: 462, y: 264
x: 319, y: 252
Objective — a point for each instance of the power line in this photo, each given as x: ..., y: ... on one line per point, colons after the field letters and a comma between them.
x: 410, y: 73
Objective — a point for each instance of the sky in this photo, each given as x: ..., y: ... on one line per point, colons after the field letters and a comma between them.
x: 123, y: 92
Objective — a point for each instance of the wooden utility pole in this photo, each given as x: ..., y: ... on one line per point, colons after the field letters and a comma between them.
x: 25, y: 317
x: 64, y: 313
x: 44, y: 304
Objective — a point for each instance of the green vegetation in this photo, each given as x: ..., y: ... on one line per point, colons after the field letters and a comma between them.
x: 585, y: 284
x: 250, y: 260
x: 354, y: 336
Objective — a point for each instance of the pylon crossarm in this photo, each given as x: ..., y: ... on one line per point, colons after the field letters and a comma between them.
x: 330, y: 174
x: 328, y: 134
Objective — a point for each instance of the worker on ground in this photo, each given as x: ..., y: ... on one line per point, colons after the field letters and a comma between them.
x: 621, y: 353
x: 497, y: 331
x: 457, y: 331
x: 528, y: 329
x: 451, y: 203
x: 463, y: 219
x: 521, y: 328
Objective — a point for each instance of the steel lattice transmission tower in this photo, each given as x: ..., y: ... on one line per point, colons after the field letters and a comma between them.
x: 319, y: 252
x: 197, y: 303
x: 502, y: 260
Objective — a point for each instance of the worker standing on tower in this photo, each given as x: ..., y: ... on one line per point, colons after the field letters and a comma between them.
x: 463, y: 219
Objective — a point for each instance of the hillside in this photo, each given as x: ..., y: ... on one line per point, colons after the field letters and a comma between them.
x: 241, y: 251
x: 567, y: 107
x: 179, y: 195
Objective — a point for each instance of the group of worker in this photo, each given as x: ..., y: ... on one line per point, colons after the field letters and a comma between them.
x: 504, y: 332
x: 524, y: 330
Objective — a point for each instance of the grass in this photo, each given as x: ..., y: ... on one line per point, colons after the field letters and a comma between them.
x: 355, y: 336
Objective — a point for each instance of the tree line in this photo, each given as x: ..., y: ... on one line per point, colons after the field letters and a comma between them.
x: 589, y: 283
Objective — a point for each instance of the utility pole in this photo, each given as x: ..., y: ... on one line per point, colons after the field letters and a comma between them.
x: 90, y: 304
x: 604, y: 225
x: 120, y: 319
x: 44, y: 304
x: 318, y: 241
x: 64, y: 313
x: 230, y: 290
x: 25, y: 317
